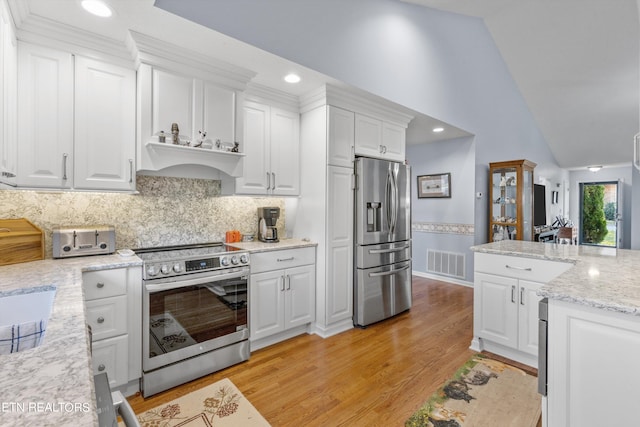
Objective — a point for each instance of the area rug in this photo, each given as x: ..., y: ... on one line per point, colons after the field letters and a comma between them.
x: 220, y: 404
x: 483, y: 392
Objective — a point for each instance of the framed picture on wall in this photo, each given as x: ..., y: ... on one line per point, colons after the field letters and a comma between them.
x: 434, y: 186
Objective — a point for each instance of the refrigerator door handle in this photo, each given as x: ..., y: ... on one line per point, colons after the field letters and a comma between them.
x: 390, y: 272
x: 386, y: 251
x: 389, y: 201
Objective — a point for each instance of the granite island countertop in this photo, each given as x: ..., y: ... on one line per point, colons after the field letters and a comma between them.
x: 257, y: 246
x: 605, y: 278
x: 52, y: 385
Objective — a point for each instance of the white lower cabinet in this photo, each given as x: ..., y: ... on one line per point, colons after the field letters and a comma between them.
x: 592, y: 376
x: 113, y: 301
x: 506, y: 304
x: 282, y: 295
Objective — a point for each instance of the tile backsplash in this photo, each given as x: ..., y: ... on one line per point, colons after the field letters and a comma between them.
x: 166, y: 211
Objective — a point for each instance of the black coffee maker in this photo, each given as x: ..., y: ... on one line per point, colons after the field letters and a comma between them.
x: 267, y: 219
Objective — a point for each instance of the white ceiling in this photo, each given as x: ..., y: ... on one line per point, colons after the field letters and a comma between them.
x: 576, y: 63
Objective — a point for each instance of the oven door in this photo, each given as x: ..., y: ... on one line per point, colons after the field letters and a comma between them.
x: 193, y: 316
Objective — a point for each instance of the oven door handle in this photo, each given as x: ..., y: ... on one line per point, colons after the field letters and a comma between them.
x: 190, y: 282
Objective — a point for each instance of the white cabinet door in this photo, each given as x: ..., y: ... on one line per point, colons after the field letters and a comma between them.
x: 498, y: 316
x: 339, y: 286
x: 219, y: 113
x: 592, y: 374
x: 393, y: 142
x: 368, y: 136
x: 256, y: 177
x: 528, y: 316
x: 104, y: 139
x: 267, y: 304
x: 8, y: 101
x: 285, y: 152
x: 300, y: 296
x: 341, y: 134
x: 111, y: 355
x: 172, y: 102
x: 45, y: 117
x: 272, y: 151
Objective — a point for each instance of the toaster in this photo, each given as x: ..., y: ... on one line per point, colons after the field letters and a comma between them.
x: 84, y: 240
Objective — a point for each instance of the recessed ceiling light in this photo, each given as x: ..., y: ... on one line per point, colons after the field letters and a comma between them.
x: 594, y: 168
x: 292, y: 78
x: 438, y: 129
x: 97, y: 7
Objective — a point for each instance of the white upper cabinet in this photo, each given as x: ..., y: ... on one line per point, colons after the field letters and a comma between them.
x: 76, y: 121
x: 8, y: 99
x: 341, y: 134
x: 379, y: 139
x: 45, y: 117
x: 200, y: 94
x: 105, y: 130
x: 271, y: 138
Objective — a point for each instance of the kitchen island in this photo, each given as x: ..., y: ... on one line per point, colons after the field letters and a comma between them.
x: 594, y: 331
x: 52, y: 385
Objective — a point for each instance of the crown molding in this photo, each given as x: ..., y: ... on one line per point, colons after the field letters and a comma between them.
x: 357, y: 101
x: 46, y: 32
x: 264, y: 94
x: 151, y: 51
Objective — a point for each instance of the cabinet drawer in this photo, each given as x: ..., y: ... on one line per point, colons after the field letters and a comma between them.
x: 520, y: 267
x: 275, y: 260
x: 104, y: 283
x: 107, y: 317
x: 110, y: 355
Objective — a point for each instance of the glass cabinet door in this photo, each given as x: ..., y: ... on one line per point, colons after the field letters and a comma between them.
x: 511, y: 204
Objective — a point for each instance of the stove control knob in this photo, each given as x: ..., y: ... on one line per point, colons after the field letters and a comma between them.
x: 177, y: 267
x: 224, y: 261
x: 164, y: 269
x: 152, y: 270
x: 244, y: 258
x: 234, y: 260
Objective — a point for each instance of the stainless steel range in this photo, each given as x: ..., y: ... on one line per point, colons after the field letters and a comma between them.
x: 194, y: 312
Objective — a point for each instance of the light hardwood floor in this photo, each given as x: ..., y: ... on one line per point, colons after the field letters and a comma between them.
x: 376, y: 376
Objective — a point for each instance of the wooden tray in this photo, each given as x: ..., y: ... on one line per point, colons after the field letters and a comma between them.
x: 20, y: 241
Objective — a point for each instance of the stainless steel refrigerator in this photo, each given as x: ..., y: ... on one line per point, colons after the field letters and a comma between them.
x: 382, y: 278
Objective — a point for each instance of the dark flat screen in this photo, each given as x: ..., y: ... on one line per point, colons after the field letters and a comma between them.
x: 539, y: 205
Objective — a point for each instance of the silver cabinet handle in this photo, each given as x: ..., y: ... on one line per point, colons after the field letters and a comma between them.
x: 513, y: 294
x: 100, y: 285
x: 101, y: 367
x: 521, y: 296
x: 273, y: 185
x: 130, y: 171
x: 288, y: 282
x: 100, y: 319
x: 282, y: 283
x: 380, y: 148
x: 518, y: 268
x: 268, y: 181
x: 386, y: 251
x: 285, y: 259
x: 389, y: 273
x: 64, y: 165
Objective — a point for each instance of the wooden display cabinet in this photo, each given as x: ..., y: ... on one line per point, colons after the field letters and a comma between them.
x: 511, y: 200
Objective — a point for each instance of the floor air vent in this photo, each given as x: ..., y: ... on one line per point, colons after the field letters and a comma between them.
x: 446, y: 263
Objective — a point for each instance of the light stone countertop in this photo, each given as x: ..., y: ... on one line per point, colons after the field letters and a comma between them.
x: 257, y: 246
x: 52, y: 385
x: 605, y: 278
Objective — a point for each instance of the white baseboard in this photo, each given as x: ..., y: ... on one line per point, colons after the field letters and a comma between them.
x: 442, y: 278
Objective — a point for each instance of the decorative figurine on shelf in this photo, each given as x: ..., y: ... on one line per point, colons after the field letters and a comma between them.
x: 162, y: 137
x: 218, y: 144
x: 503, y: 181
x: 175, y: 132
x: 201, y: 138
x: 236, y: 147
x: 511, y: 181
